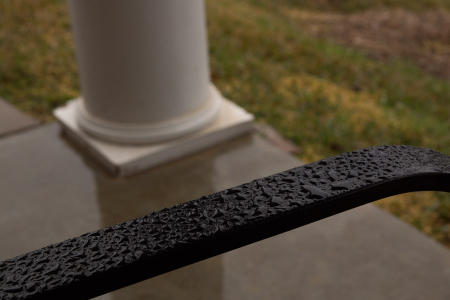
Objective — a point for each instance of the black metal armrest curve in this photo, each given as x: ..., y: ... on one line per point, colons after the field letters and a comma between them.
x: 108, y: 259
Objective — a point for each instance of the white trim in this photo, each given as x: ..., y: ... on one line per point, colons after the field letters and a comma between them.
x: 153, y: 132
x: 124, y: 160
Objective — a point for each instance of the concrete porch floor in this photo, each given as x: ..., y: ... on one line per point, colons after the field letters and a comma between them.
x: 51, y: 192
x: 12, y: 120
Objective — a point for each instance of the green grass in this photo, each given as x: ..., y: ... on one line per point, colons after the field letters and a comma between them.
x: 261, y: 61
x: 325, y: 97
x: 37, y: 63
x: 347, y: 6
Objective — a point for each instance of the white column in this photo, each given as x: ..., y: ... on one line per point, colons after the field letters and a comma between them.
x: 143, y: 67
x: 146, y: 96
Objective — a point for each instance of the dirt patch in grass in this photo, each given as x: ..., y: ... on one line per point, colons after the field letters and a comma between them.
x: 423, y: 37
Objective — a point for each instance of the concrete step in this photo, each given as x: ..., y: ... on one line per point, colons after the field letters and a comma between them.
x: 13, y: 120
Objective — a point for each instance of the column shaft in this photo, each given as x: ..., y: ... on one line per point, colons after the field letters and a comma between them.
x: 143, y: 67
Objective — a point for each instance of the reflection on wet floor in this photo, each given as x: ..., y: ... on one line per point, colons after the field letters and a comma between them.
x: 176, y: 182
x: 51, y: 192
x: 122, y: 199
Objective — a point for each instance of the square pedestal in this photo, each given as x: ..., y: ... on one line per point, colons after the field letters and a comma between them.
x: 124, y: 160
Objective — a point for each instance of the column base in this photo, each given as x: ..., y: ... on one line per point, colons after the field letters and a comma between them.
x: 154, y: 132
x: 124, y: 160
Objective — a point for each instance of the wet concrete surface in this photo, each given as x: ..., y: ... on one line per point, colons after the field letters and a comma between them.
x: 51, y: 192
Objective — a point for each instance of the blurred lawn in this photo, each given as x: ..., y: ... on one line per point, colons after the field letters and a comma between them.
x: 348, y: 6
x: 325, y: 97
